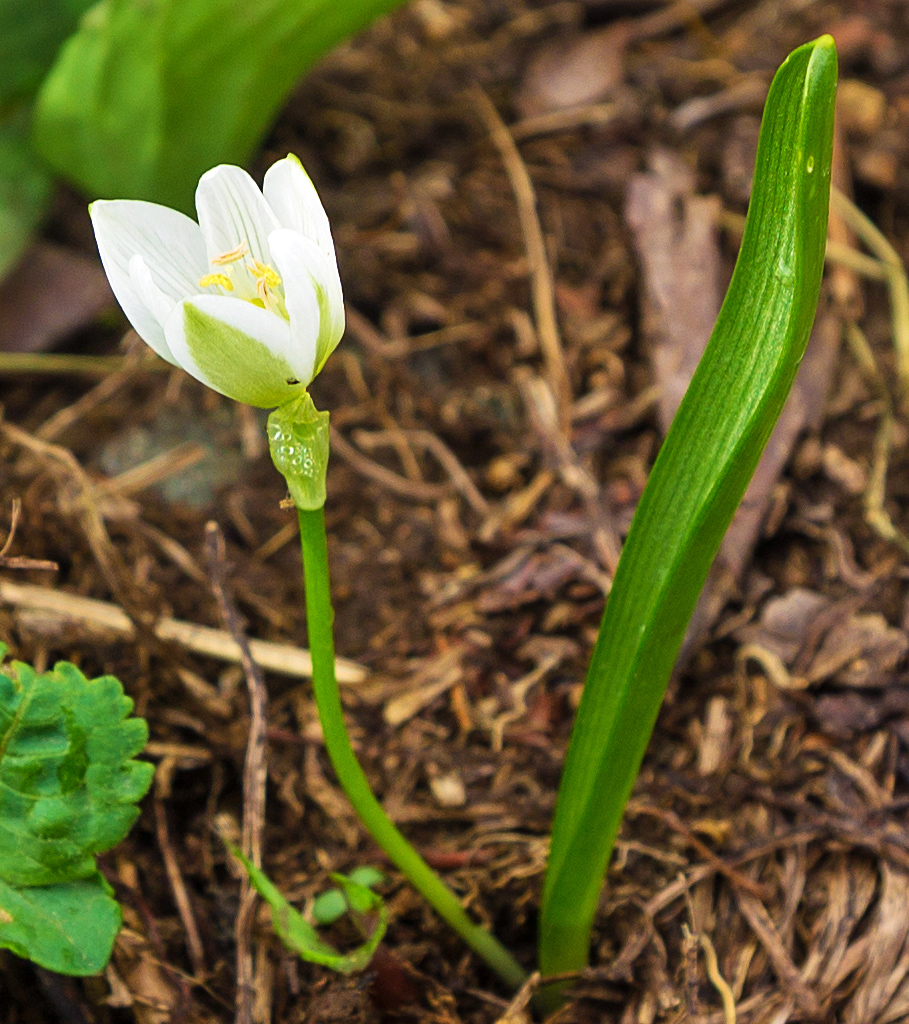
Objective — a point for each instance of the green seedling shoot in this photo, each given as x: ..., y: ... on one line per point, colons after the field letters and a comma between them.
x: 298, y: 935
x: 333, y: 904
x: 248, y: 300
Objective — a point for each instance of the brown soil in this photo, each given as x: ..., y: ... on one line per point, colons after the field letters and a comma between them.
x: 471, y: 549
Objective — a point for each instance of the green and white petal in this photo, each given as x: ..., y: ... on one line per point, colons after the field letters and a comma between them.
x: 312, y: 292
x: 172, y: 252
x: 241, y: 350
x: 233, y: 211
x: 289, y: 191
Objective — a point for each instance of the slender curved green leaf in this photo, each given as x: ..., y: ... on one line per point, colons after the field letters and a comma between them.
x: 696, y: 484
x: 149, y: 94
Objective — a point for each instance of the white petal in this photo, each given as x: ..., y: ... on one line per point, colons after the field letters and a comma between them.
x: 312, y: 292
x: 154, y: 300
x: 172, y: 252
x: 293, y: 197
x: 232, y: 211
x: 240, y: 350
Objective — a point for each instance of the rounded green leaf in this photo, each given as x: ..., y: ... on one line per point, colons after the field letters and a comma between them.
x: 68, y: 928
x: 68, y: 779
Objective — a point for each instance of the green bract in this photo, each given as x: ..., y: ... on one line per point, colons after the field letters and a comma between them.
x: 298, y: 438
x: 68, y: 791
x: 248, y: 300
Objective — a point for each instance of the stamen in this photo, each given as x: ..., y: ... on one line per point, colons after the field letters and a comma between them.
x: 231, y: 257
x: 264, y: 274
x: 220, y: 279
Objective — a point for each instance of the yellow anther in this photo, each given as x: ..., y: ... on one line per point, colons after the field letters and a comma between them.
x: 264, y: 274
x: 231, y: 257
x: 220, y: 279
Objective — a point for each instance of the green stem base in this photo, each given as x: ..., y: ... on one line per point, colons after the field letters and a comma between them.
x: 320, y: 618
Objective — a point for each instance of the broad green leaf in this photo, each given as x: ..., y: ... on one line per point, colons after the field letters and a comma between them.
x: 696, y: 484
x: 149, y: 94
x: 68, y: 928
x: 68, y: 791
x: 30, y: 36
x: 25, y: 189
x: 68, y: 781
x: 299, y: 935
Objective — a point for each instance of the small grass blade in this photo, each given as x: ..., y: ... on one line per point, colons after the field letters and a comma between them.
x: 696, y: 484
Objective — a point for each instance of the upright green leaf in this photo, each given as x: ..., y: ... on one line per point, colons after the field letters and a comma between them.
x: 696, y: 484
x: 30, y: 35
x: 149, y: 94
x: 68, y: 791
x: 25, y: 189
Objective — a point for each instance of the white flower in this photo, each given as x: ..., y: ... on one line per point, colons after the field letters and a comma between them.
x: 248, y: 300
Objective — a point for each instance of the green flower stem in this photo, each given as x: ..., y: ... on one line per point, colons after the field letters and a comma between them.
x: 319, y: 617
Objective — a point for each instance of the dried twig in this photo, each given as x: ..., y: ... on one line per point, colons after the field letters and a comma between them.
x: 178, y: 887
x: 755, y: 913
x: 400, y: 348
x: 135, y: 361
x: 539, y: 400
x: 415, y: 490
x: 874, y: 239
x: 431, y: 442
x: 14, y: 363
x: 541, y: 276
x: 739, y: 881
x: 255, y: 771
x: 212, y: 643
x: 155, y: 470
x: 876, y: 514
x: 516, y: 1012
x: 64, y: 466
x: 717, y: 979
x: 20, y: 561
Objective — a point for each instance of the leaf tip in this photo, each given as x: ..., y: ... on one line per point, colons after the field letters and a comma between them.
x: 824, y: 58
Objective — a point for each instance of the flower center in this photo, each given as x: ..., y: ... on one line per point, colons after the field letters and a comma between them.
x: 252, y: 280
